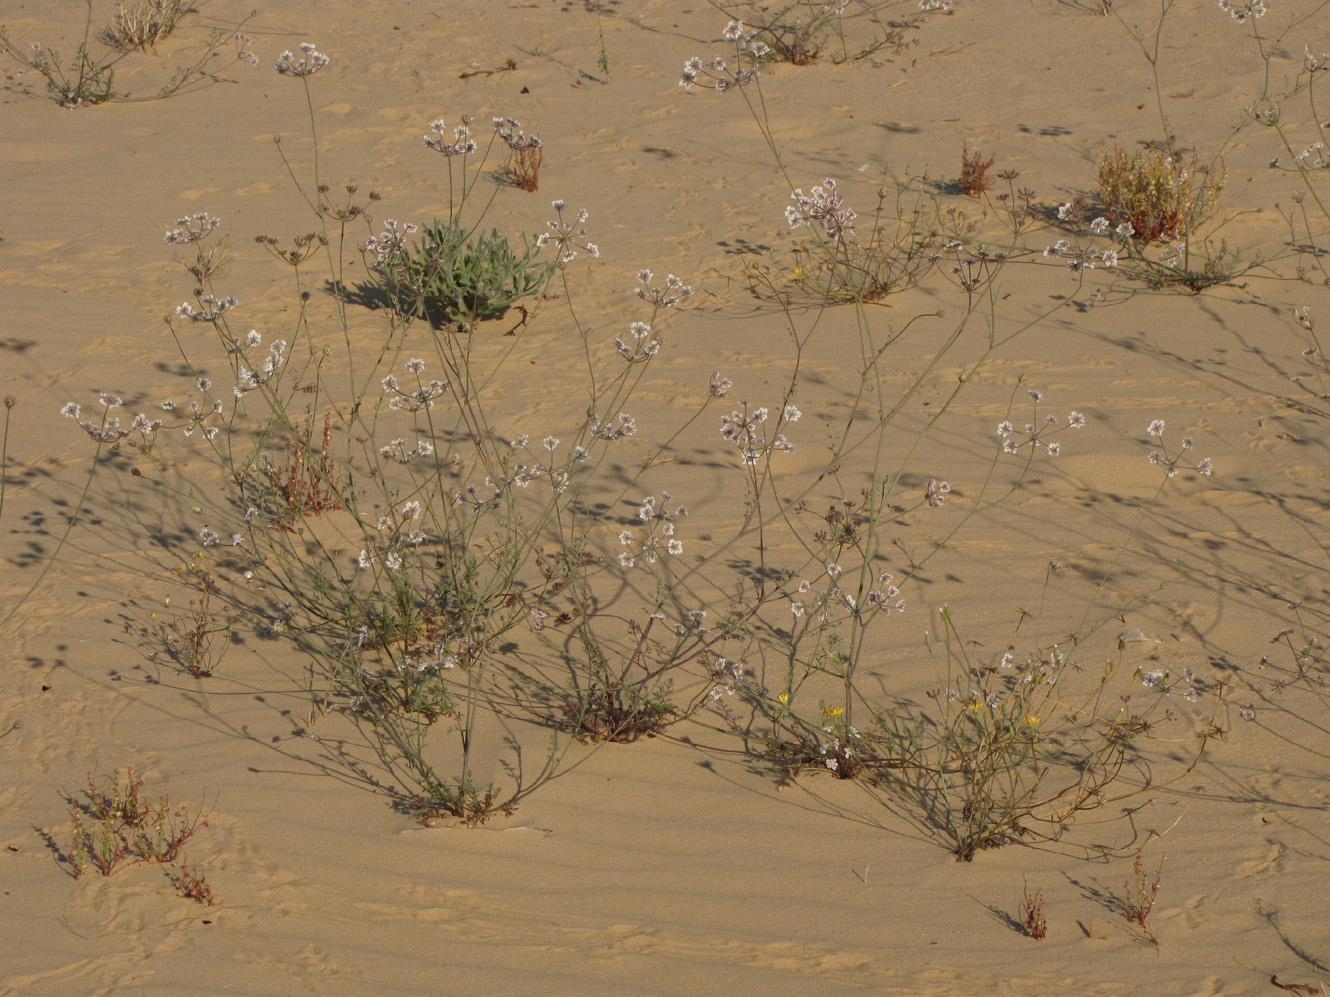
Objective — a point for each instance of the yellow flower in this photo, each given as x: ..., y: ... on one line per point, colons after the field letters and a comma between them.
x: 783, y: 699
x: 1033, y: 719
x: 834, y: 711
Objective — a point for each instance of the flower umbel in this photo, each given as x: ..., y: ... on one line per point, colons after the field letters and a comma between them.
x: 567, y: 236
x: 310, y: 61
x: 823, y: 206
x: 1172, y: 463
x: 461, y: 144
x: 718, y: 75
x: 1037, y: 431
x: 1242, y: 10
x: 674, y: 291
x: 192, y: 229
x: 746, y: 429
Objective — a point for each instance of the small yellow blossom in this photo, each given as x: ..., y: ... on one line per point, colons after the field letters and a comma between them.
x: 834, y: 711
x: 1033, y: 719
x: 783, y: 699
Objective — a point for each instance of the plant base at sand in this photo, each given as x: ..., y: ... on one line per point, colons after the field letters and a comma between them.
x: 619, y: 714
x: 1192, y: 269
x: 82, y: 81
x: 1008, y: 752
x: 846, y: 258
x: 461, y: 799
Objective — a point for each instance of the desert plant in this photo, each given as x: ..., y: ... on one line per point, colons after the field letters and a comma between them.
x: 1304, y: 667
x: 88, y: 79
x: 143, y: 24
x: 1015, y: 204
x: 624, y: 688
x: 84, y: 80
x: 800, y: 32
x: 126, y: 827
x: 1140, y: 893
x: 452, y: 275
x: 1162, y: 193
x: 1309, y: 216
x: 1009, y: 748
x: 477, y: 575
x: 192, y: 885
x: 1159, y: 196
x: 119, y: 804
x: 844, y: 261
x: 795, y: 30
x: 1008, y: 751
x: 301, y: 484
x: 411, y: 635
x: 974, y: 179
x: 1181, y: 265
x: 527, y: 150
x: 987, y: 765
x: 102, y: 848
x: 197, y: 636
x: 1032, y: 912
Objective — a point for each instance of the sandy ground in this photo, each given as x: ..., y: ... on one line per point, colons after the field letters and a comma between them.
x: 676, y: 864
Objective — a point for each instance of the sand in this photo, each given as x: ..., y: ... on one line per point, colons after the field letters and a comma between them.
x: 682, y: 863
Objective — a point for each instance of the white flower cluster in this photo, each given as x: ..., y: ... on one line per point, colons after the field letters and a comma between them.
x: 192, y: 229
x: 542, y: 465
x: 1035, y: 433
x: 1242, y: 10
x: 1162, y: 679
x: 674, y: 291
x: 659, y: 522
x: 823, y: 206
x: 1172, y: 462
x: 610, y: 429
x: 568, y: 235
x: 510, y: 131
x: 390, y: 243
x: 210, y: 308
x: 141, y: 433
x: 249, y: 379
x: 884, y: 596
x: 718, y: 75
x: 422, y: 397
x: 746, y: 429
x: 642, y: 348
x: 309, y: 62
x: 461, y: 145
x: 400, y: 535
